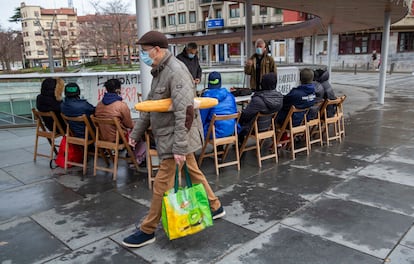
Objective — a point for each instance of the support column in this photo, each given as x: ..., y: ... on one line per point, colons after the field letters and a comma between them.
x: 143, y: 19
x: 329, y: 49
x: 384, y: 57
x: 242, y: 61
x: 248, y: 28
x: 314, y: 49
x: 217, y: 51
x: 226, y: 54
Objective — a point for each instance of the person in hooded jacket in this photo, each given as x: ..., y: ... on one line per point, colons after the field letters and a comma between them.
x: 266, y: 101
x: 74, y: 106
x: 226, y: 106
x: 49, y: 99
x: 323, y: 89
x: 301, y: 97
x: 112, y: 106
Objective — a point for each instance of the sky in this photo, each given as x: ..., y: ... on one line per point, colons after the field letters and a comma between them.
x: 82, y: 7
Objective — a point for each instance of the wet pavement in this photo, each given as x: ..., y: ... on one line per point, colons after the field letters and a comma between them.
x: 351, y: 202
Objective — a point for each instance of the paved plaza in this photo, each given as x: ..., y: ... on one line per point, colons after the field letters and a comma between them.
x: 351, y: 202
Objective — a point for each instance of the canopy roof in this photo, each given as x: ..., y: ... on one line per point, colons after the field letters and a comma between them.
x: 344, y: 15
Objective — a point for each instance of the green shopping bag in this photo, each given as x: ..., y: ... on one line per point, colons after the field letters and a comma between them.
x: 185, y: 210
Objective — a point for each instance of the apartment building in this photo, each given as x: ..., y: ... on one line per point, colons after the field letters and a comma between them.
x: 44, y: 28
x: 178, y: 18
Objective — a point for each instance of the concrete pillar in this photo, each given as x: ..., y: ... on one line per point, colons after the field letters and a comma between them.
x: 143, y: 11
x: 384, y: 56
x: 248, y: 28
x: 330, y: 49
x: 226, y: 54
x: 217, y: 51
x: 242, y: 61
x: 314, y: 49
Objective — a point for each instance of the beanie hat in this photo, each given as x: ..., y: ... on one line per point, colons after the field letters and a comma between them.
x: 72, y: 90
x: 214, y: 80
x: 269, y: 81
x: 154, y: 38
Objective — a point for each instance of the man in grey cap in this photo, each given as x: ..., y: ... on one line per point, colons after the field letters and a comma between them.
x: 178, y: 134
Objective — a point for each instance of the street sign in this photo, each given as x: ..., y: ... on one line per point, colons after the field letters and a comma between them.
x: 215, y: 23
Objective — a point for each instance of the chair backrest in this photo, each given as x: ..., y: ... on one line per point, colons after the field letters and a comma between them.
x: 101, y: 122
x: 325, y: 113
x: 83, y: 119
x: 39, y: 116
x: 288, y: 122
x: 212, y: 131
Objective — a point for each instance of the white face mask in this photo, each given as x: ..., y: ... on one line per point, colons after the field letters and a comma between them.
x: 259, y: 51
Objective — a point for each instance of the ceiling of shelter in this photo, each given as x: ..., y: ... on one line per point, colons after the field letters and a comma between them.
x: 344, y: 15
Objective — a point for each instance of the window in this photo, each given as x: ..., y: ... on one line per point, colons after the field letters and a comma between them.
x: 234, y: 10
x: 263, y: 11
x: 62, y: 23
x: 181, y: 18
x: 36, y: 13
x: 192, y: 17
x: 218, y: 13
x: 156, y: 23
x: 40, y: 52
x: 359, y: 43
x: 162, y: 3
x: 171, y: 20
x: 163, y: 22
x: 278, y: 11
x: 39, y: 43
x: 405, y: 41
x: 63, y: 33
x: 38, y: 33
x: 154, y: 3
x: 170, y: 1
x: 71, y: 24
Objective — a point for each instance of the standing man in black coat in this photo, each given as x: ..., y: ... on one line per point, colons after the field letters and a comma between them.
x: 189, y: 57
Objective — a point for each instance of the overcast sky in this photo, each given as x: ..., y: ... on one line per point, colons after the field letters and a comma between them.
x: 82, y: 7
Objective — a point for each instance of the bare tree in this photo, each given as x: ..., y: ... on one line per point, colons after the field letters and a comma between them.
x: 91, y: 35
x: 10, y: 48
x: 116, y: 13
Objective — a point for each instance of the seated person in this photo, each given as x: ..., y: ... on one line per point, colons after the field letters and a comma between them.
x: 301, y: 97
x: 74, y: 106
x: 112, y: 106
x: 323, y: 89
x: 267, y: 100
x: 226, y: 106
x: 49, y: 99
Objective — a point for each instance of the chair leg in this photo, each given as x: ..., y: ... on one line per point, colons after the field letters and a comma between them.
x: 35, y: 148
x: 115, y: 169
x: 95, y: 160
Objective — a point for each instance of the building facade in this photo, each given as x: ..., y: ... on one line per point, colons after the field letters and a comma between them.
x: 44, y: 28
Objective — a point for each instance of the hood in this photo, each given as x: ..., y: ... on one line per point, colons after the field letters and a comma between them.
x: 323, y: 77
x: 109, y: 98
x: 218, y: 93
x: 271, y: 98
x: 308, y: 88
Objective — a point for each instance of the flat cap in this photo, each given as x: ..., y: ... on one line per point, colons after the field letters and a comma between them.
x: 154, y: 38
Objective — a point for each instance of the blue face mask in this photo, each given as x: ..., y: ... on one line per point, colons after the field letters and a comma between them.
x: 191, y: 55
x: 144, y: 55
x: 259, y: 51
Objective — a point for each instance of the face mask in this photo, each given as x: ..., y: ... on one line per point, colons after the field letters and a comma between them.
x: 146, y: 58
x: 191, y: 55
x: 259, y: 51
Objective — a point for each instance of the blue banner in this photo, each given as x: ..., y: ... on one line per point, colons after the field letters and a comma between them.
x: 215, y: 23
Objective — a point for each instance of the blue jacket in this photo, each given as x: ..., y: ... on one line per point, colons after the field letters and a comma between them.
x: 301, y: 97
x: 77, y: 107
x: 226, y: 106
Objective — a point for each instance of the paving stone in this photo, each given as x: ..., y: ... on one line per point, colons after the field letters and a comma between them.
x: 85, y: 221
x: 401, y: 255
x: 102, y: 251
x: 408, y: 239
x: 364, y: 228
x: 24, y: 241
x: 14, y: 157
x: 257, y: 207
x: 30, y: 199
x: 284, y: 245
x: 31, y: 172
x: 382, y: 194
x: 206, y: 246
x: 397, y: 172
x: 7, y: 181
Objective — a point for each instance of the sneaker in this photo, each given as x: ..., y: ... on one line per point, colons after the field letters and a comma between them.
x: 139, y: 239
x: 219, y: 213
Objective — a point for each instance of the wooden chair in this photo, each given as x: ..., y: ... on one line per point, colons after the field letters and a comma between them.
x: 50, y: 135
x: 84, y: 142
x: 340, y: 110
x: 314, y: 125
x: 259, y: 135
x: 151, y: 153
x: 112, y: 147
x: 224, y: 141
x: 294, y: 131
x: 331, y: 124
